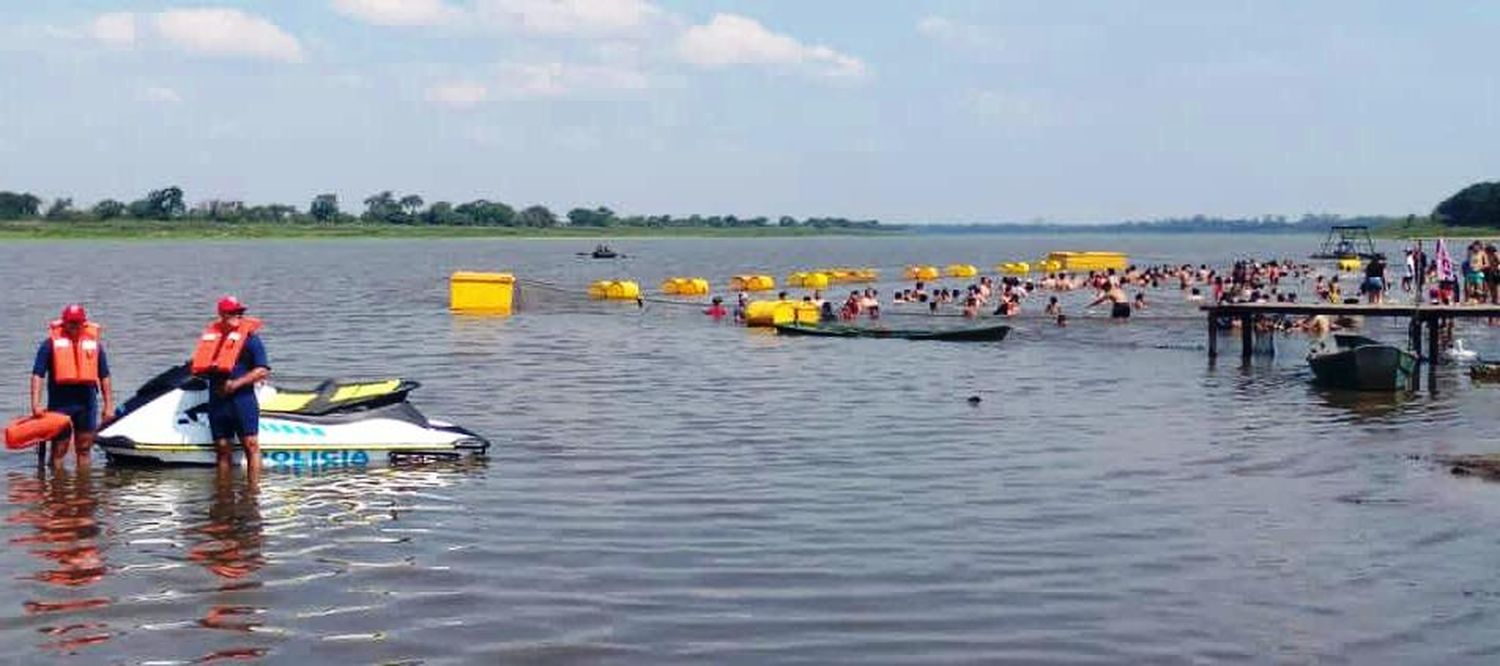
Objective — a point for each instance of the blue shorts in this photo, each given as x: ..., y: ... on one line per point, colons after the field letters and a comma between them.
x: 235, y: 417
x: 85, y: 413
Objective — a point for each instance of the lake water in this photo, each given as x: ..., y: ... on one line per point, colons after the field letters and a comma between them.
x: 666, y: 490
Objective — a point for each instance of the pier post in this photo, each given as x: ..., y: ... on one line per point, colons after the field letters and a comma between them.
x: 1213, y: 335
x: 1247, y: 336
x: 1414, y: 343
x: 1432, y: 353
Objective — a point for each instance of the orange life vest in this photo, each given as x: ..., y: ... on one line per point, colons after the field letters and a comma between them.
x: 218, y: 348
x: 75, y: 361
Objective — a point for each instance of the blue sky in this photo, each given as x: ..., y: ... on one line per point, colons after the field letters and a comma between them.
x: 986, y: 111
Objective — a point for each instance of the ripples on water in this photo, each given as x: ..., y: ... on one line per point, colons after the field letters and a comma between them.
x: 666, y: 490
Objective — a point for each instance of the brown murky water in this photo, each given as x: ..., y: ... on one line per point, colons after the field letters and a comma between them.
x: 663, y: 489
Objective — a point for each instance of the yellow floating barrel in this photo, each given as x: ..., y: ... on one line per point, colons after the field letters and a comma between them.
x: 771, y: 313
x: 485, y: 293
x: 1014, y: 268
x: 752, y: 283
x: 921, y: 273
x: 1050, y: 266
x: 1349, y: 264
x: 961, y: 270
x: 1090, y: 261
x: 812, y: 280
x: 615, y: 290
x: 844, y: 274
x: 685, y: 286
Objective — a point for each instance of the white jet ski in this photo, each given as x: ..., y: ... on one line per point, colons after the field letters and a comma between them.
x: 327, y: 424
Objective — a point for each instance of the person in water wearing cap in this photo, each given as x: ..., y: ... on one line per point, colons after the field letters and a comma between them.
x: 72, y: 364
x: 233, y: 359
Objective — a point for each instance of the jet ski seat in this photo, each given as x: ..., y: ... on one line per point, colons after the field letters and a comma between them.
x: 330, y: 396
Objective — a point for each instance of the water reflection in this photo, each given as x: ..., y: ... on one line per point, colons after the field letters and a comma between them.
x: 62, y: 509
x: 229, y: 546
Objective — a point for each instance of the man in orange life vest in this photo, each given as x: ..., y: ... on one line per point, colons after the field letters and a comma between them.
x: 72, y: 363
x: 230, y: 355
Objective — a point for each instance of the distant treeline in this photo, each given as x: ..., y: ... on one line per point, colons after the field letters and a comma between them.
x: 167, y: 204
x: 1268, y: 224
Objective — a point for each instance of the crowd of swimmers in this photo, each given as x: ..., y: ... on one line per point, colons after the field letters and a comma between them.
x: 1124, y: 292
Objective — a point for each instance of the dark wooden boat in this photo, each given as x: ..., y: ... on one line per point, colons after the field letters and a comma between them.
x: 1485, y: 371
x: 968, y: 334
x: 1361, y: 364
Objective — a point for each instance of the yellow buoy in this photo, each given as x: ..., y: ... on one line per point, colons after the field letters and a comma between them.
x: 1090, y: 261
x: 961, y: 270
x: 614, y: 290
x: 1050, y: 266
x: 771, y: 313
x: 921, y: 273
x: 1014, y: 268
x: 752, y: 283
x: 685, y: 286
x: 812, y: 280
x: 490, y: 293
x: 1349, y: 264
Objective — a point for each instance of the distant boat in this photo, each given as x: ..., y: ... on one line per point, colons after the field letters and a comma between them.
x: 1347, y: 241
x: 967, y: 334
x: 1362, y: 364
x: 601, y: 252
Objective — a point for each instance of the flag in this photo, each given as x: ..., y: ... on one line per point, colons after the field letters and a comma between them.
x: 1444, y: 262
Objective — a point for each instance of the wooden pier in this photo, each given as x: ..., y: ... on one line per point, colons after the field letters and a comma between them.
x: 1430, y: 315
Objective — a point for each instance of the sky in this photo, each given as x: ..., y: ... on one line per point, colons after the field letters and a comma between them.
x: 942, y: 111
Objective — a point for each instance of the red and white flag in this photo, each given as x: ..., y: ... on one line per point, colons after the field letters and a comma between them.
x: 1444, y: 262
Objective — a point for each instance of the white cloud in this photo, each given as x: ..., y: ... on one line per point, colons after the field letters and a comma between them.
x: 160, y: 95
x: 399, y: 12
x: 730, y: 39
x: 459, y: 95
x: 226, y: 32
x: 570, y: 17
x: 114, y: 28
x: 520, y: 80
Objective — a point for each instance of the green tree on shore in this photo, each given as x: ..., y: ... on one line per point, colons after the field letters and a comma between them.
x: 18, y: 205
x: 597, y: 217
x: 61, y: 209
x: 108, y: 209
x: 538, y: 216
x: 324, y: 208
x: 1477, y: 205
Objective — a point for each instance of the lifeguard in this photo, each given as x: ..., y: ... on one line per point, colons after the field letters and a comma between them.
x: 230, y: 355
x: 72, y: 363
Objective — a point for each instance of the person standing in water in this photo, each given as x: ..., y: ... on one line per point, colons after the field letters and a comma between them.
x: 233, y: 359
x: 72, y: 364
x: 1119, y: 303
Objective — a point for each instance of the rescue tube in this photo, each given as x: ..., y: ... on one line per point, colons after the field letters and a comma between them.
x: 27, y: 431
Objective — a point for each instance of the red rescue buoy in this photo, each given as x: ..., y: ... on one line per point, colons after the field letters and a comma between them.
x: 28, y: 431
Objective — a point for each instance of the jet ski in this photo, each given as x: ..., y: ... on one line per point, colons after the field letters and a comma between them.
x: 330, y: 423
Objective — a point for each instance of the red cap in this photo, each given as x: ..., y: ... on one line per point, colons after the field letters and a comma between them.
x: 75, y: 314
x: 230, y: 305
